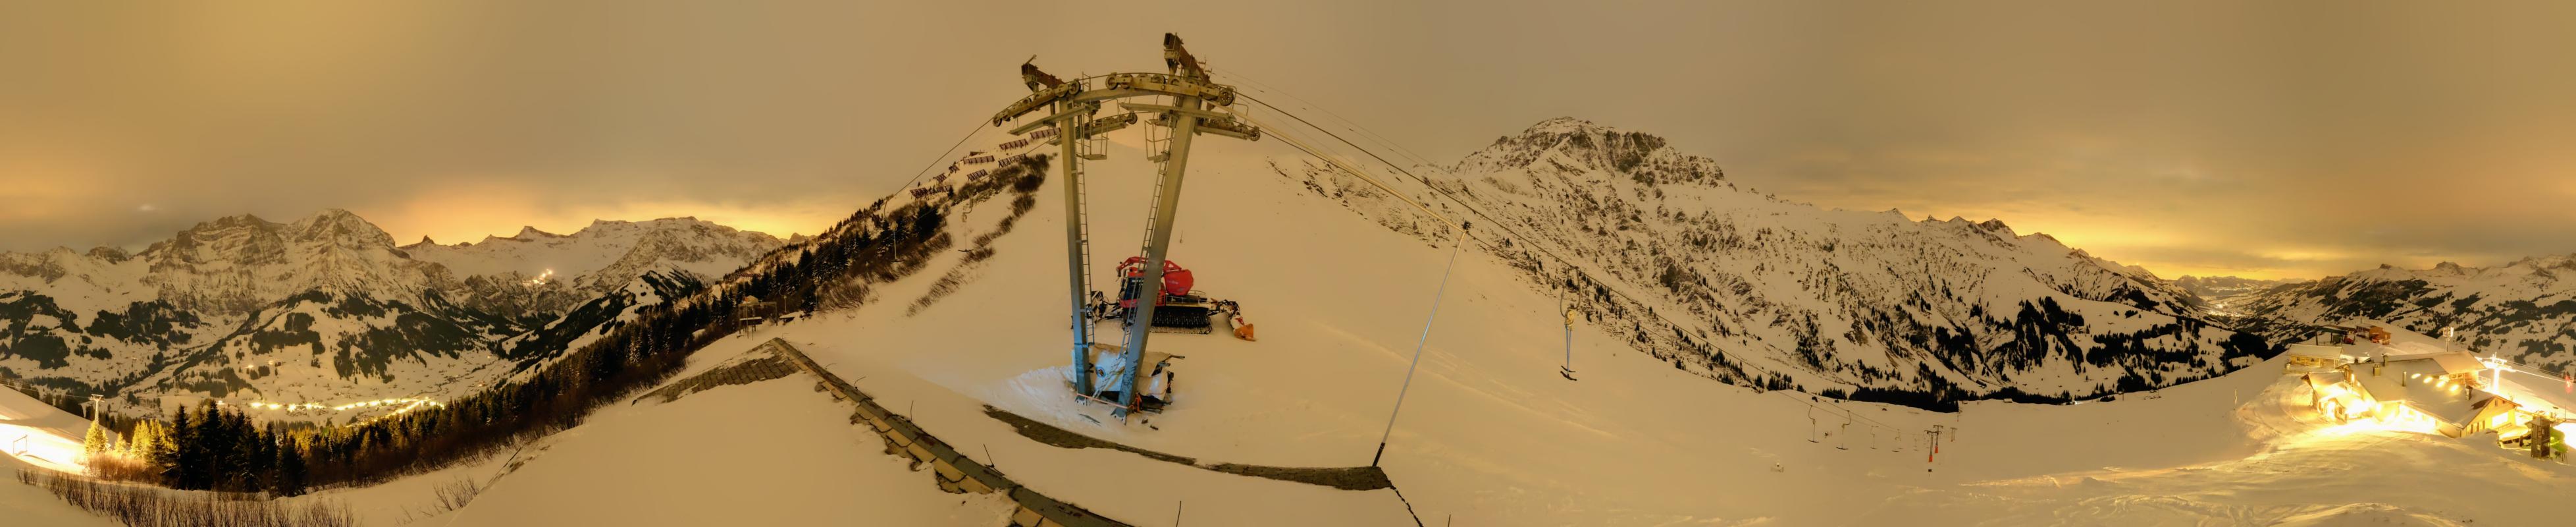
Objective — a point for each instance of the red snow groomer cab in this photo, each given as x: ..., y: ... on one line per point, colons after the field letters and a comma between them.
x: 1176, y: 281
x: 1182, y: 309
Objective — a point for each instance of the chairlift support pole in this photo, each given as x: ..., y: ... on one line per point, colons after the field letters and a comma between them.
x: 1183, y: 119
x: 1192, y: 93
x: 1049, y: 91
x: 1569, y: 331
x: 1075, y: 245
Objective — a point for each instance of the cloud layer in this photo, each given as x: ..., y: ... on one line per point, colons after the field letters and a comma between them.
x: 2268, y: 139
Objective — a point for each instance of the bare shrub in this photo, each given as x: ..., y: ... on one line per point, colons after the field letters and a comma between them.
x: 846, y: 294
x: 454, y: 494
x: 114, y: 467
x: 1022, y: 204
x: 447, y: 497
x: 141, y: 506
x: 954, y: 280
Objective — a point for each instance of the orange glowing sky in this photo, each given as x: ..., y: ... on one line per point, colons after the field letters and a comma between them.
x: 2271, y: 139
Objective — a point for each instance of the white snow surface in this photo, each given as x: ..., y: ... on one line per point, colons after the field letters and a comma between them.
x: 767, y: 453
x: 1490, y: 434
x: 30, y: 505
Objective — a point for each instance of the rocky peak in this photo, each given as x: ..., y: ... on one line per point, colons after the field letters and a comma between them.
x: 233, y: 221
x: 1569, y: 143
x: 219, y: 227
x: 2555, y: 261
x: 109, y: 254
x: 2448, y: 268
x: 341, y: 228
x: 1995, y: 225
x: 1566, y: 126
x: 243, y: 238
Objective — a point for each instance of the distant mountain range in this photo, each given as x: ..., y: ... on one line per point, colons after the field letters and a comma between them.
x: 328, y: 310
x: 2524, y: 311
x: 1747, y: 288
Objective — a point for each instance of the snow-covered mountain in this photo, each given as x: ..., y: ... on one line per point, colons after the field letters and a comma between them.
x: 970, y: 328
x: 229, y: 266
x: 541, y: 271
x: 328, y: 308
x: 1757, y: 290
x: 2525, y: 310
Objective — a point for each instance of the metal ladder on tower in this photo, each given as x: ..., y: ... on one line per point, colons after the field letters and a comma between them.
x: 1158, y: 149
x: 1086, y: 150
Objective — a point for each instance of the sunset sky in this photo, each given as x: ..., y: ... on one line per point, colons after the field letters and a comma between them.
x: 2264, y: 139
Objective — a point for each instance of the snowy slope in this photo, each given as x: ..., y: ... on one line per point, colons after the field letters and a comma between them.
x: 33, y: 506
x: 1757, y: 290
x: 37, y: 434
x: 2524, y: 311
x: 1490, y: 434
x: 769, y: 453
x: 591, y: 320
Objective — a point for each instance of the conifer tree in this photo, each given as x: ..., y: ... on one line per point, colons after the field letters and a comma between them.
x: 173, y: 461
x: 96, y: 442
x: 138, y: 444
x: 290, y: 469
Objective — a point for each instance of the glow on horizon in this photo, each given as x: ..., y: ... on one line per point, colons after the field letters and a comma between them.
x: 2126, y: 241
x: 469, y: 214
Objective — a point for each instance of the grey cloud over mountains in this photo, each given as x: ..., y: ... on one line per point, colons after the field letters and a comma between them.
x: 2265, y: 139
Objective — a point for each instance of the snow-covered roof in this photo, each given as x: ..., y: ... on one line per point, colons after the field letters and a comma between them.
x: 2458, y: 362
x: 2448, y: 362
x: 2315, y: 351
x: 2322, y: 379
x: 2416, y: 383
x: 2401, y: 338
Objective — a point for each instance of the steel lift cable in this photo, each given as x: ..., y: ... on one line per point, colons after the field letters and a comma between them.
x: 934, y: 162
x: 1347, y: 122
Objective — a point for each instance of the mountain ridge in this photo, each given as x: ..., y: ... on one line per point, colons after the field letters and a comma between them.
x: 205, y: 311
x: 2524, y: 310
x: 1753, y: 289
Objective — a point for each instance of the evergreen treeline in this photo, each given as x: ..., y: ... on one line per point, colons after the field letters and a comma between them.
x: 215, y: 448
x: 208, y: 448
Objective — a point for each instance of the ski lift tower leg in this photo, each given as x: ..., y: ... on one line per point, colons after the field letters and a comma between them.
x: 1073, y: 247
x: 1140, y: 323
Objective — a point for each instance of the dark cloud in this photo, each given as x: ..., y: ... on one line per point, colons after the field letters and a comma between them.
x: 2267, y: 139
